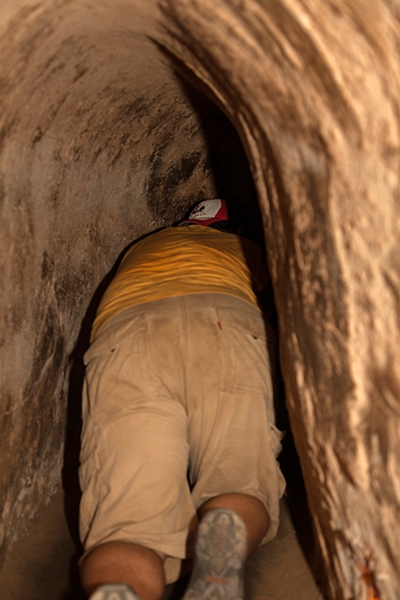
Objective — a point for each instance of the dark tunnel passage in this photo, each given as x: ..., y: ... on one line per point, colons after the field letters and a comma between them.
x: 115, y: 117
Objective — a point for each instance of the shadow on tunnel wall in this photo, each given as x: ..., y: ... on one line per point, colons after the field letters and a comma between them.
x: 229, y: 168
x: 70, y: 478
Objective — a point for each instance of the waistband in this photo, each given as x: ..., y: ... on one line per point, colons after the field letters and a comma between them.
x: 195, y: 301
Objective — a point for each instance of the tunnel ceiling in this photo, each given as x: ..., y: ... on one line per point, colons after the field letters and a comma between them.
x: 111, y: 126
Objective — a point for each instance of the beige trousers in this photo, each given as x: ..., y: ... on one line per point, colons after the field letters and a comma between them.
x: 177, y: 409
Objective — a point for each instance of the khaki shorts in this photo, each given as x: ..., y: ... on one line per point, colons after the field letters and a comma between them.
x: 177, y: 409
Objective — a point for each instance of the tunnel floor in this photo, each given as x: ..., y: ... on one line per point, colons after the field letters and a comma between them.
x: 42, y: 563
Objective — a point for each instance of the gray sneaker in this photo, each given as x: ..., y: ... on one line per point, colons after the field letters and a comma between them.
x: 114, y: 591
x: 219, y: 557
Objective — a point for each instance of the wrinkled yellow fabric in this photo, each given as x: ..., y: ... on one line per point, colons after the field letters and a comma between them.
x: 184, y: 260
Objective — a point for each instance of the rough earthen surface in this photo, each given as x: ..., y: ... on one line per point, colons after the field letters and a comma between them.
x: 101, y: 141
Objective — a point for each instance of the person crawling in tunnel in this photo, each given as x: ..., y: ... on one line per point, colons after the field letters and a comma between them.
x: 179, y: 442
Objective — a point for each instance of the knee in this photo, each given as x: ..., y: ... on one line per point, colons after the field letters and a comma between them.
x: 139, y: 567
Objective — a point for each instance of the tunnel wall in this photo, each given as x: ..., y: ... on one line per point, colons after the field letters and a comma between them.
x: 100, y: 143
x: 313, y: 90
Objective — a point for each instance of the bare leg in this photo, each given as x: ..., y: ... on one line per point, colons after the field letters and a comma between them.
x: 122, y: 562
x: 249, y: 508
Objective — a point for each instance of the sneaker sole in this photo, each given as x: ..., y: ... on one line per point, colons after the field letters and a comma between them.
x: 220, y: 554
x: 114, y: 591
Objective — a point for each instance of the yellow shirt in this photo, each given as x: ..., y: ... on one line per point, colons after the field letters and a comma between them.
x: 184, y: 260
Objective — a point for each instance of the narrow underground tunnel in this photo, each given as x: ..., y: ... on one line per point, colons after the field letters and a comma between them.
x: 107, y: 159
x: 101, y: 143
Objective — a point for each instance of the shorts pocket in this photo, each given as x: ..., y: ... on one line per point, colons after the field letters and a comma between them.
x: 112, y: 336
x: 245, y: 360
x: 115, y: 371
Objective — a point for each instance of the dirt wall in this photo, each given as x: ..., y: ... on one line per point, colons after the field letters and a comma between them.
x: 103, y: 139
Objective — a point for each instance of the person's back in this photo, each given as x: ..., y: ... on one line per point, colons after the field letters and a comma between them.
x: 180, y: 261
